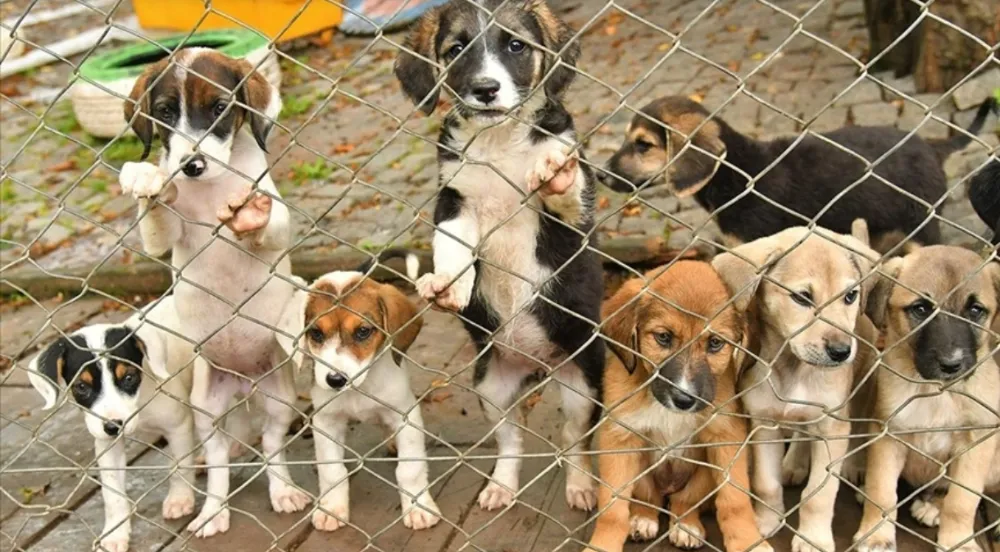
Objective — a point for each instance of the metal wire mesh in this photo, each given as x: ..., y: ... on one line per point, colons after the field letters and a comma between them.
x: 356, y: 167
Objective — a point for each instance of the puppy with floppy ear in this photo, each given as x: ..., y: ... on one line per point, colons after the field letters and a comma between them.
x: 808, y: 287
x: 937, y: 391
x: 112, y: 371
x: 357, y: 332
x: 670, y: 385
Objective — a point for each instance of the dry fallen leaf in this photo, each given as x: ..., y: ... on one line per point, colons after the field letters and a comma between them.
x: 29, y: 493
x: 603, y: 202
x: 610, y: 30
x: 343, y: 148
x: 437, y: 396
x: 697, y: 97
x: 664, y: 46
x: 757, y: 56
x: 733, y: 66
x: 633, y: 210
x: 532, y: 400
x: 66, y: 165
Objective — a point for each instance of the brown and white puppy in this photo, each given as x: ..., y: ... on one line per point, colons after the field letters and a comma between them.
x: 356, y: 331
x: 673, y: 426
x: 937, y: 392
x: 808, y: 288
x: 672, y: 139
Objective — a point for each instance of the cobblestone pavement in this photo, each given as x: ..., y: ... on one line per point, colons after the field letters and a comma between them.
x: 355, y: 180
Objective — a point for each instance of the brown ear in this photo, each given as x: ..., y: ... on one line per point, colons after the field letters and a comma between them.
x: 619, y: 316
x: 859, y: 231
x: 877, y: 304
x: 263, y: 99
x: 556, y: 36
x: 399, y: 317
x: 688, y: 169
x: 864, y: 256
x: 138, y: 113
x: 418, y: 76
x: 742, y: 268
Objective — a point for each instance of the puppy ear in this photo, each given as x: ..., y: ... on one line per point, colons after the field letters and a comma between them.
x: 292, y: 324
x: 399, y: 317
x: 152, y: 342
x: 418, y: 76
x: 742, y: 268
x: 556, y: 36
x: 45, y: 372
x: 859, y: 231
x: 619, y: 316
x: 689, y: 170
x: 138, y: 113
x: 877, y: 305
x: 263, y: 98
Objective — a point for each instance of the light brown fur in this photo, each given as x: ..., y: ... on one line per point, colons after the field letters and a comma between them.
x: 629, y: 473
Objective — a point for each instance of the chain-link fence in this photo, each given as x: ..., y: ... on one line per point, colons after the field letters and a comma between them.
x: 189, y: 362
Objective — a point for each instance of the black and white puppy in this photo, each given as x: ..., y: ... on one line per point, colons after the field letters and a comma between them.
x: 512, y: 250
x: 109, y: 370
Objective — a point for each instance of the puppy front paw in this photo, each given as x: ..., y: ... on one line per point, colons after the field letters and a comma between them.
x: 143, y: 181
x: 926, y: 512
x: 880, y: 541
x: 686, y: 536
x: 244, y: 216
x: 554, y: 172
x: 581, y: 495
x: 178, y: 503
x: 286, y: 499
x: 495, y: 496
x: 114, y: 542
x: 768, y: 520
x: 813, y: 541
x: 446, y: 292
x: 210, y: 523
x: 642, y: 528
x: 423, y: 515
x: 337, y: 517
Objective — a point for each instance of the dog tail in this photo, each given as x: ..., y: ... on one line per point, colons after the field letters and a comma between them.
x: 412, y: 261
x: 944, y: 148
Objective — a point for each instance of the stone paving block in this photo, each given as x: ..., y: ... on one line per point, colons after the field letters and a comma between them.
x: 30, y: 328
x: 913, y: 116
x: 973, y: 92
x: 875, y: 114
x: 831, y: 118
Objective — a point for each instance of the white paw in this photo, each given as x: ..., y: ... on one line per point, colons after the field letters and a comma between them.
x: 337, y: 518
x: 141, y: 180
x: 768, y: 521
x: 286, y: 499
x: 178, y: 503
x: 642, y: 528
x: 116, y: 541
x: 495, y: 496
x: 685, y: 536
x: 813, y: 541
x: 443, y: 292
x: 210, y: 523
x: 554, y: 172
x: 793, y: 471
x: 878, y: 542
x: 925, y: 512
x: 423, y: 515
x: 581, y: 497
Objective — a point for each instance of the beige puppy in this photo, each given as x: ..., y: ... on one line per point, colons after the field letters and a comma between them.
x: 937, y: 377
x: 808, y: 288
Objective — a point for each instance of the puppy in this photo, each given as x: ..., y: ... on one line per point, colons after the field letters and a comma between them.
x: 513, y: 252
x: 109, y: 370
x: 229, y: 239
x: 984, y: 195
x: 674, y: 138
x: 814, y: 339
x: 356, y: 331
x: 937, y: 392
x: 673, y: 426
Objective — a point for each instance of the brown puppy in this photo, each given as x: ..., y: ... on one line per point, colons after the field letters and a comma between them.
x: 937, y: 392
x: 671, y: 414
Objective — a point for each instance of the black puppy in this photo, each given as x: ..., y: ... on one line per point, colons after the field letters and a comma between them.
x: 672, y: 139
x: 984, y: 194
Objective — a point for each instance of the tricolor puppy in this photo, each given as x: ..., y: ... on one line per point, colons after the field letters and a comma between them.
x: 670, y: 387
x: 511, y: 249
x: 673, y: 140
x: 356, y: 331
x: 807, y: 288
x: 111, y: 371
x: 937, y: 392
x: 212, y: 203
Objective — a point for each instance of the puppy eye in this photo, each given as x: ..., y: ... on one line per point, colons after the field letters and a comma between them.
x: 81, y: 389
x: 715, y: 344
x: 851, y: 297
x: 453, y: 52
x: 315, y: 335
x: 976, y: 311
x: 664, y: 339
x: 642, y: 146
x: 515, y: 46
x: 129, y: 379
x: 920, y: 310
x: 166, y: 114
x: 219, y: 109
x: 803, y: 298
x: 363, y: 333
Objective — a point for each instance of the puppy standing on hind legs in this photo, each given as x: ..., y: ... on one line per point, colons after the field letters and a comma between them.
x: 198, y: 101
x: 502, y: 236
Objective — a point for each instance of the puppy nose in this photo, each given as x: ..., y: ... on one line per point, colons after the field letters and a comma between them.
x: 682, y: 400
x: 335, y: 380
x: 195, y: 166
x: 951, y: 365
x: 485, y: 90
x: 838, y: 352
x: 112, y: 427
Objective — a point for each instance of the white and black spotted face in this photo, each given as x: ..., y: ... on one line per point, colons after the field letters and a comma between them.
x: 102, y: 367
x: 198, y: 106
x: 494, y: 54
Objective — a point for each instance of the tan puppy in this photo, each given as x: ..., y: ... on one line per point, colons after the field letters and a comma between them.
x: 808, y: 288
x: 669, y: 392
x: 938, y: 376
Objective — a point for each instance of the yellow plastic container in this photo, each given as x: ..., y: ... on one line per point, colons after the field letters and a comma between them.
x: 269, y: 17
